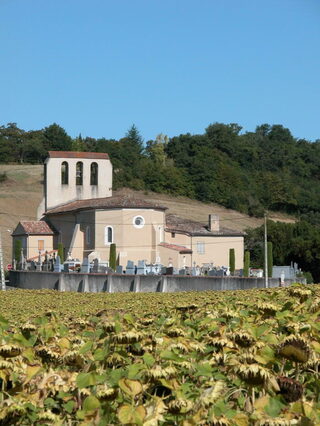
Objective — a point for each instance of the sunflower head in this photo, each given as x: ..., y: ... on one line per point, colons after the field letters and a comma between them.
x: 294, y: 348
x: 290, y: 389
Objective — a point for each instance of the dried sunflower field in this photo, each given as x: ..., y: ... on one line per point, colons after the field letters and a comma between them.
x: 199, y: 358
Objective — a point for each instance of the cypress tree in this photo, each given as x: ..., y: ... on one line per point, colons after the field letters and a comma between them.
x: 246, y: 266
x: 61, y: 252
x: 113, y: 257
x: 270, y: 258
x: 17, y: 250
x: 232, y: 261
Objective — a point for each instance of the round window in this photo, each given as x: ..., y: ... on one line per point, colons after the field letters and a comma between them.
x: 138, y: 222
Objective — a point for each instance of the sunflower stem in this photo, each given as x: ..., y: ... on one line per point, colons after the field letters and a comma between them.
x: 297, y: 371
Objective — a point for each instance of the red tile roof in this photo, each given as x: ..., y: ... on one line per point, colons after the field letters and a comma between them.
x: 76, y: 154
x: 180, y: 249
x: 33, y: 227
x: 178, y: 224
x: 117, y: 202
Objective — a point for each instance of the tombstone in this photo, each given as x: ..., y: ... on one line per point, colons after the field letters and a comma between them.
x: 130, y: 269
x: 175, y: 271
x: 141, y: 268
x: 85, y: 267
x: 169, y: 270
x: 95, y: 268
x: 157, y: 268
x: 212, y: 273
x: 66, y: 267
x: 182, y: 272
x: 45, y: 267
x: 163, y: 270
x: 119, y: 269
x: 51, y: 263
x: 57, y: 265
x: 22, y: 261
x: 194, y: 271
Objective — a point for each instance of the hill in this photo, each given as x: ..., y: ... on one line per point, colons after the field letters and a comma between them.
x: 21, y: 193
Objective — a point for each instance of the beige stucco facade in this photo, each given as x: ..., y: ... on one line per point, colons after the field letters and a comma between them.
x: 56, y: 193
x: 209, y: 249
x: 132, y: 242
x: 33, y: 244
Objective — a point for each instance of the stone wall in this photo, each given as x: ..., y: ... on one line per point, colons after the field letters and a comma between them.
x: 116, y: 283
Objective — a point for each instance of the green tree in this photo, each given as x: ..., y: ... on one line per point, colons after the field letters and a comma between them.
x: 232, y: 261
x: 61, y: 252
x: 17, y: 250
x: 246, y: 267
x: 57, y: 139
x: 270, y: 258
x: 113, y: 257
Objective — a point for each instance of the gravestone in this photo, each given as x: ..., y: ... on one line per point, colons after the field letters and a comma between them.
x: 130, y: 269
x: 141, y: 268
x: 182, y: 272
x: 95, y: 268
x: 85, y: 267
x: 194, y: 271
x: 66, y: 267
x: 119, y: 269
x: 57, y: 264
x: 169, y: 270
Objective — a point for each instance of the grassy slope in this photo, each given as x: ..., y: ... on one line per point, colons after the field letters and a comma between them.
x: 21, y: 194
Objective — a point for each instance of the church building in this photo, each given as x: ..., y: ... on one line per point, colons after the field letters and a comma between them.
x: 79, y: 211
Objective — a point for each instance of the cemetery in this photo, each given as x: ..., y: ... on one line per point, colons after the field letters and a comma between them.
x: 134, y: 277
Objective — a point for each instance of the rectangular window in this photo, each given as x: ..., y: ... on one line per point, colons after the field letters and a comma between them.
x: 173, y: 235
x: 40, y: 245
x: 200, y: 247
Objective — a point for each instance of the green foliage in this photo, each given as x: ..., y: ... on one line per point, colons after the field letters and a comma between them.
x: 298, y: 242
x: 246, y: 266
x: 270, y: 257
x: 56, y: 138
x: 113, y: 257
x: 308, y: 277
x: 17, y: 250
x: 61, y: 252
x: 249, y: 172
x: 232, y: 261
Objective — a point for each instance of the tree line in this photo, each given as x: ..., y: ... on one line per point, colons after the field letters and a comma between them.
x: 249, y: 172
x: 268, y: 169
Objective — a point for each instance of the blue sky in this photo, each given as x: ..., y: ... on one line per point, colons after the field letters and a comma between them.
x: 97, y: 66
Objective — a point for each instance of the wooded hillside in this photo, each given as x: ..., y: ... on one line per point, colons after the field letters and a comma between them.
x: 248, y: 172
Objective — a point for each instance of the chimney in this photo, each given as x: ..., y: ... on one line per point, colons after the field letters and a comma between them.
x: 214, y: 224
